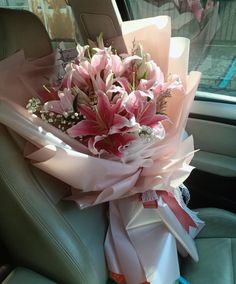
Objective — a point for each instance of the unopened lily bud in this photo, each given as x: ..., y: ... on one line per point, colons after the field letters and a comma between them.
x: 142, y: 71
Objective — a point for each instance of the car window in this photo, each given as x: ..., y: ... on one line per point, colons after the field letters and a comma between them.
x: 210, y: 25
x: 56, y: 16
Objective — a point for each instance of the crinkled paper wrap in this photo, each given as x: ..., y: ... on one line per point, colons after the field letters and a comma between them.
x: 141, y: 243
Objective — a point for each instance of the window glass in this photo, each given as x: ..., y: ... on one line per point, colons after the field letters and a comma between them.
x: 55, y: 15
x: 210, y: 26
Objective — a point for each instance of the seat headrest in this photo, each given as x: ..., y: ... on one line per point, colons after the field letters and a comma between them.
x: 21, y: 29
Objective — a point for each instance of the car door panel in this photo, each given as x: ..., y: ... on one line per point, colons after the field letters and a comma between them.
x: 213, y: 126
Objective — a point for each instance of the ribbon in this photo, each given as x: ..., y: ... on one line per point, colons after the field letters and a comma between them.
x: 150, y: 200
x: 120, y: 279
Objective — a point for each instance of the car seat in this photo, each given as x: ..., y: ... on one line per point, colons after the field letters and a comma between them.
x: 52, y: 236
x: 41, y: 230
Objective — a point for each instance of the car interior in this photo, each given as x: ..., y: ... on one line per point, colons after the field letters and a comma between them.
x: 47, y: 239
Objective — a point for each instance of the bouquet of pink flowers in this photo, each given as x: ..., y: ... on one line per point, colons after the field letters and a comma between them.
x: 108, y: 102
x: 120, y: 116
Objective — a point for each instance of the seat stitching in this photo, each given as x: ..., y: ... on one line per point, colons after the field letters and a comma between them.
x: 53, y: 240
x: 39, y: 221
x: 68, y: 225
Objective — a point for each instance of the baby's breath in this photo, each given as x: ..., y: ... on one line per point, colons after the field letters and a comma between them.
x: 34, y: 104
x: 61, y: 121
x: 147, y: 133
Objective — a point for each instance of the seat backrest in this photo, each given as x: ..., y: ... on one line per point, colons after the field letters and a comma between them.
x: 21, y: 29
x: 41, y: 230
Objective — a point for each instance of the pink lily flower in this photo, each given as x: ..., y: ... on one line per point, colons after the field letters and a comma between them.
x: 63, y: 105
x: 143, y: 109
x: 81, y: 52
x: 102, y: 125
x: 91, y: 76
x: 165, y: 88
x: 77, y: 75
x: 112, y: 144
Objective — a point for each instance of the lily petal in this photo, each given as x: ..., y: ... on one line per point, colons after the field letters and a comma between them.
x: 84, y: 128
x: 54, y: 106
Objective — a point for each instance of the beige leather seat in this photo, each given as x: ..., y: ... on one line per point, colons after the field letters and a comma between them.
x: 41, y: 230
x: 22, y: 30
x: 22, y: 275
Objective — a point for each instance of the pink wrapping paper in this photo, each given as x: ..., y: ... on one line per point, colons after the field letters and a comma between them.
x: 141, y: 244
